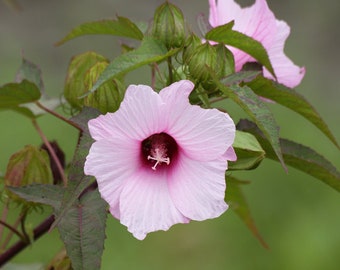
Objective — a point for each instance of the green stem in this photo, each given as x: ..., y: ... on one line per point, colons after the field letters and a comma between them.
x: 51, y: 151
x: 171, y: 76
x: 3, y: 218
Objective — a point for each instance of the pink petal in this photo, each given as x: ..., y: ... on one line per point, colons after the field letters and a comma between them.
x: 198, y: 188
x: 146, y: 205
x: 256, y: 21
x: 201, y: 134
x: 112, y: 162
x: 230, y: 154
x: 286, y: 71
x: 137, y: 117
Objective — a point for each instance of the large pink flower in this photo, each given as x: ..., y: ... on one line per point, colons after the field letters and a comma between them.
x: 159, y: 160
x: 258, y: 22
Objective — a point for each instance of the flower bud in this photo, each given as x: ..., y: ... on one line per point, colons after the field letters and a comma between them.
x: 28, y: 166
x: 168, y: 25
x: 190, y: 47
x: 108, y: 96
x: 207, y: 58
x: 74, y: 84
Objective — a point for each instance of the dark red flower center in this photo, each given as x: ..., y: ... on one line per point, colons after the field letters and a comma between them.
x: 158, y: 150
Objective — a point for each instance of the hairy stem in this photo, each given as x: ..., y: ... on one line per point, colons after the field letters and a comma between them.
x: 51, y: 151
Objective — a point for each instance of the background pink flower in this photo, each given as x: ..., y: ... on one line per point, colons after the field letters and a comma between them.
x: 159, y: 160
x: 258, y: 22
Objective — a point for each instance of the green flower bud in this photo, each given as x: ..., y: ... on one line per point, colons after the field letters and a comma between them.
x: 190, y: 47
x: 207, y: 58
x: 107, y: 97
x: 74, y: 84
x: 30, y: 165
x: 168, y: 25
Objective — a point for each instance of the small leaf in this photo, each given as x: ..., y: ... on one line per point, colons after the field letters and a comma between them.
x: 258, y: 111
x: 83, y: 231
x: 30, y: 72
x: 248, y: 151
x: 292, y: 100
x: 238, y: 203
x: 122, y: 27
x: 298, y: 156
x: 40, y: 193
x: 150, y: 51
x: 225, y: 34
x: 14, y: 94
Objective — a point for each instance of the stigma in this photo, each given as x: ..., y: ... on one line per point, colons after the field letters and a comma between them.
x: 159, y: 155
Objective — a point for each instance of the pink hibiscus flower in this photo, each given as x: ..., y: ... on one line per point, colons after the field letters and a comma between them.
x: 258, y: 22
x: 159, y: 160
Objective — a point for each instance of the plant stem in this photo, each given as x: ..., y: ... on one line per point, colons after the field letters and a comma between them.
x: 12, y: 229
x: 20, y: 245
x: 171, y: 77
x: 3, y: 219
x: 58, y: 115
x: 10, y: 234
x: 51, y: 151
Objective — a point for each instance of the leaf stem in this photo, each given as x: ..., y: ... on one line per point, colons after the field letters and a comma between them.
x: 57, y: 115
x: 10, y: 234
x: 51, y: 151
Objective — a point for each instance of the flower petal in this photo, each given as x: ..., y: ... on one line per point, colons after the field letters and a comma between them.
x: 203, y: 134
x: 146, y: 206
x: 256, y: 21
x: 198, y: 188
x: 230, y: 154
x: 112, y: 163
x: 137, y: 117
x: 286, y: 71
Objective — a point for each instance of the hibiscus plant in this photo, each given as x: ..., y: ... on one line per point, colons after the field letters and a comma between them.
x: 161, y: 152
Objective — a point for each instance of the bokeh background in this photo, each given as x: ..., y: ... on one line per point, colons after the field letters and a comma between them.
x: 297, y: 215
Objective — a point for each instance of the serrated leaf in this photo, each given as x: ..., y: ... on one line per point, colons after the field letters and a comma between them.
x: 258, y: 111
x: 78, y: 182
x: 83, y: 231
x: 238, y: 203
x: 122, y: 27
x: 40, y: 193
x: 30, y: 72
x: 14, y: 94
x: 298, y: 156
x: 291, y: 99
x: 150, y: 51
x: 248, y: 151
x: 225, y: 34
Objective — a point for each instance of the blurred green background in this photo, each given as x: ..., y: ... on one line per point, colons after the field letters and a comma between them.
x: 297, y: 215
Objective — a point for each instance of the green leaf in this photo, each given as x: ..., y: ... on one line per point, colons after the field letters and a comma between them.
x: 258, y: 111
x: 292, y: 100
x: 241, y: 76
x: 30, y: 72
x: 238, y: 203
x: 78, y: 182
x: 225, y: 34
x: 248, y: 151
x: 150, y: 51
x: 83, y: 231
x: 122, y: 27
x: 14, y: 94
x: 40, y: 193
x: 298, y: 156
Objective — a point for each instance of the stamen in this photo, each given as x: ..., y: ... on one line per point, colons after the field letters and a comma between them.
x: 158, y: 156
